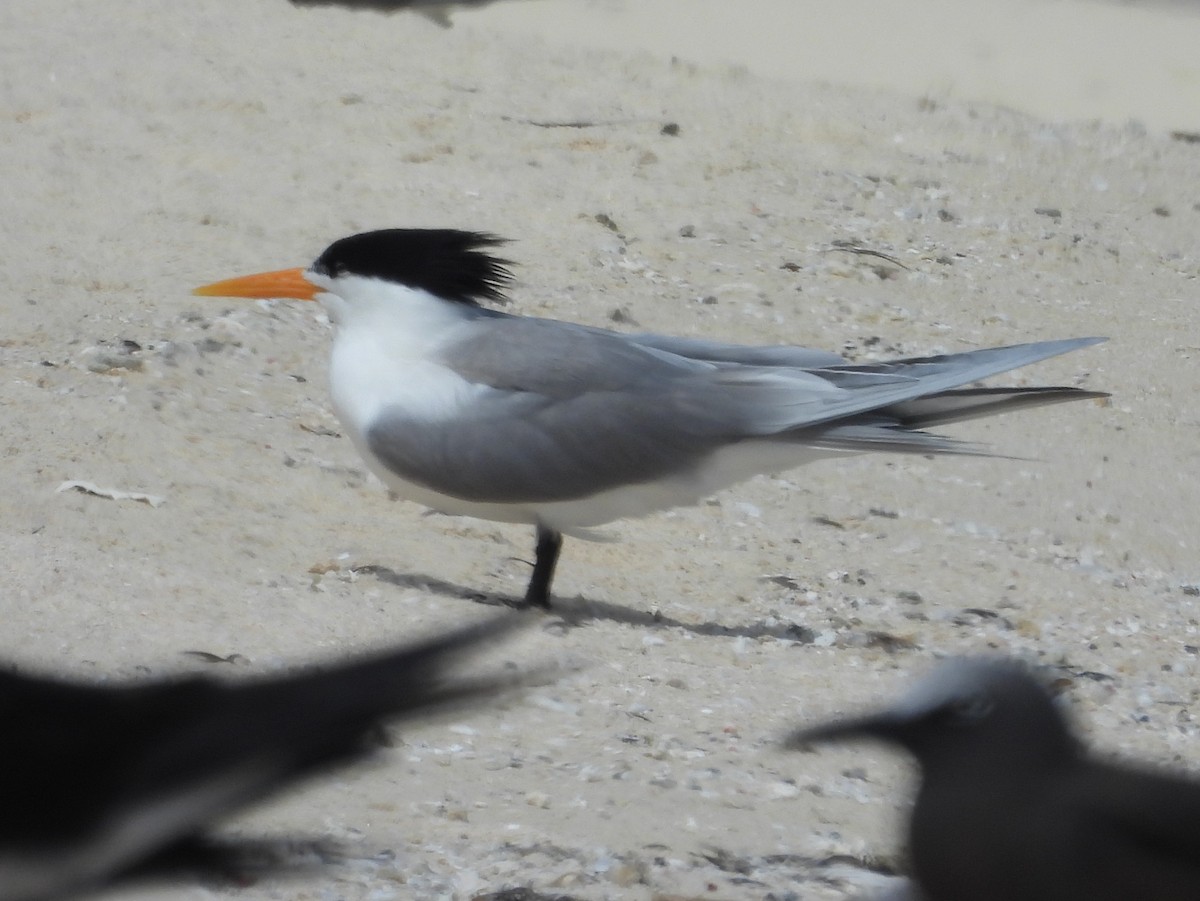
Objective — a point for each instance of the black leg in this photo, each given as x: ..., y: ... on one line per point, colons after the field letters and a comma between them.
x: 549, y: 543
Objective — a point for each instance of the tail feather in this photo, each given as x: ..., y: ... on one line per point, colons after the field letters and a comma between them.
x: 886, y: 438
x: 875, y: 387
x: 974, y: 403
x: 899, y: 428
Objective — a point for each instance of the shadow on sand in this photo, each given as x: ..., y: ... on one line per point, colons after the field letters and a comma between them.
x: 574, y: 612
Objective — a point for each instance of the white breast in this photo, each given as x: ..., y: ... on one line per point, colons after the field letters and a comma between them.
x: 383, y: 352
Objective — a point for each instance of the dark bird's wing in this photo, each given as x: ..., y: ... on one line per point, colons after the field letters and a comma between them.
x: 1143, y: 833
x: 1093, y: 832
x: 95, y: 781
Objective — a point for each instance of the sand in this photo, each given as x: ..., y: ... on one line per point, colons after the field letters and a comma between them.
x: 1115, y: 60
x: 147, y: 150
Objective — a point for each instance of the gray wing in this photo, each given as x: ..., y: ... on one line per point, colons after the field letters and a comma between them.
x: 570, y: 411
x: 746, y: 355
x: 567, y: 412
x: 532, y: 449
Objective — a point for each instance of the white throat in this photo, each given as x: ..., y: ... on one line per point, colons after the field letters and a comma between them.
x: 386, y: 339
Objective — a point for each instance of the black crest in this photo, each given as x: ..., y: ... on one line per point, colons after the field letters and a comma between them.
x: 443, y: 261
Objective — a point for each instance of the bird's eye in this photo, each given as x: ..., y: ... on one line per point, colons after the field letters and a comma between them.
x: 972, y: 709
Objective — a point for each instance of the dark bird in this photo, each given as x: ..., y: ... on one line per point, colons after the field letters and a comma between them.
x: 106, y: 784
x: 435, y: 10
x: 1012, y: 807
x: 477, y: 412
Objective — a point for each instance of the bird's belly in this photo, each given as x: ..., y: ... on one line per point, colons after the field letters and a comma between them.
x: 725, y: 467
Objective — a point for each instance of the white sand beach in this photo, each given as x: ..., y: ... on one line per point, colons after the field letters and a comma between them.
x: 149, y: 148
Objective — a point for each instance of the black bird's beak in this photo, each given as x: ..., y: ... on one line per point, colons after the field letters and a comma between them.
x: 885, y: 726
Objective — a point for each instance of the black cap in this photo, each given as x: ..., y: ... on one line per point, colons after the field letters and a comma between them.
x: 452, y: 264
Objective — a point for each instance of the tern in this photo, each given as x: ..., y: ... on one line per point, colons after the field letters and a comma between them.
x: 473, y: 411
x: 104, y: 784
x: 1012, y: 805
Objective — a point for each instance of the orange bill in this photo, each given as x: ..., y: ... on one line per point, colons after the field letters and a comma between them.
x: 282, y: 283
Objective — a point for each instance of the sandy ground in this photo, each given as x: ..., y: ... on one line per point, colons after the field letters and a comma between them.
x: 1113, y: 60
x: 145, y: 152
